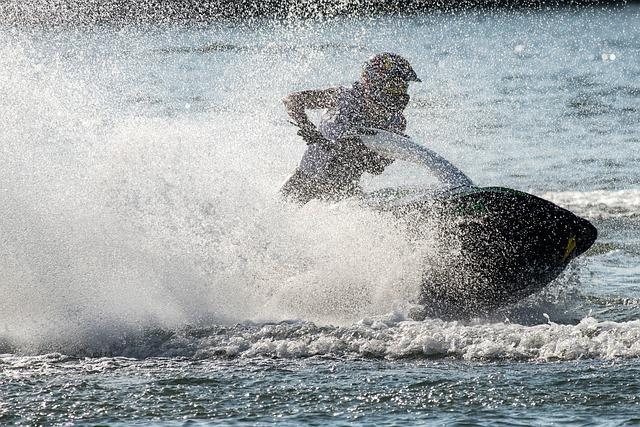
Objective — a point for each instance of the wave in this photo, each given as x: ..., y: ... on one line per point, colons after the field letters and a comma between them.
x: 599, y: 204
x: 389, y: 337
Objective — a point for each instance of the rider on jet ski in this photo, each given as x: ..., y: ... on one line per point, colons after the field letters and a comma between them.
x: 333, y: 163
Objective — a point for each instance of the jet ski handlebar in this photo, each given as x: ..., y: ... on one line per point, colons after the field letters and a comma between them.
x: 400, y: 147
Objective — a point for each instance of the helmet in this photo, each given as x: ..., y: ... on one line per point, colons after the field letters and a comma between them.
x: 388, y: 66
x: 386, y: 77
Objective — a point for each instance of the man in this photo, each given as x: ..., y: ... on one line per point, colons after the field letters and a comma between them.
x: 333, y: 163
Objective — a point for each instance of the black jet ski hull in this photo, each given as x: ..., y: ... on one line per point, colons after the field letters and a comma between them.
x: 495, y: 246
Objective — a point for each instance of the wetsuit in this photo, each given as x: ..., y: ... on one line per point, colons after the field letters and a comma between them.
x: 331, y: 169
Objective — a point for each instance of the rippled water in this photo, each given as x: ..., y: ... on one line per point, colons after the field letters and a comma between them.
x: 150, y: 273
x: 323, y: 391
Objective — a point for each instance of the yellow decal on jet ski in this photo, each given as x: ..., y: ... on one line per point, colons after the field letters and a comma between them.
x: 571, y: 246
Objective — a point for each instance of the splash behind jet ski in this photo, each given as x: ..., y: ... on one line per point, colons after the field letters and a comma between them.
x: 495, y: 245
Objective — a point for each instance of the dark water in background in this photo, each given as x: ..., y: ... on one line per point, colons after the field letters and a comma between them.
x: 150, y: 275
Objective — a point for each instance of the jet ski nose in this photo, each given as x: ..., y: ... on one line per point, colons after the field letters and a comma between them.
x: 584, y: 234
x: 589, y: 236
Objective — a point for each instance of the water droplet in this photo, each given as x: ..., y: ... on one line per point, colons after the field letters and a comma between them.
x: 608, y: 56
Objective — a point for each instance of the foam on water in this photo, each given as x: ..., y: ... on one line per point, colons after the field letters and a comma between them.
x: 599, y: 204
x: 387, y: 337
x: 433, y: 338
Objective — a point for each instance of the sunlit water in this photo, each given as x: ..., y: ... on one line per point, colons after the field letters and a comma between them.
x: 149, y: 272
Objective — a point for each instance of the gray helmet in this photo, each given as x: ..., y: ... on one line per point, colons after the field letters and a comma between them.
x: 386, y: 78
x: 388, y: 66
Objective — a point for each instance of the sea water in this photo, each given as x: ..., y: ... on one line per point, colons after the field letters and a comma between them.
x: 150, y: 274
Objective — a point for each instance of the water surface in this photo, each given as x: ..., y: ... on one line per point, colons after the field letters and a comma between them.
x: 150, y: 274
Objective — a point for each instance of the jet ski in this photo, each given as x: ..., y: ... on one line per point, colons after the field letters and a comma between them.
x: 493, y: 246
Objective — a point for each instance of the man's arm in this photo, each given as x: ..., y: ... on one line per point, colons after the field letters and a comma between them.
x: 297, y: 102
